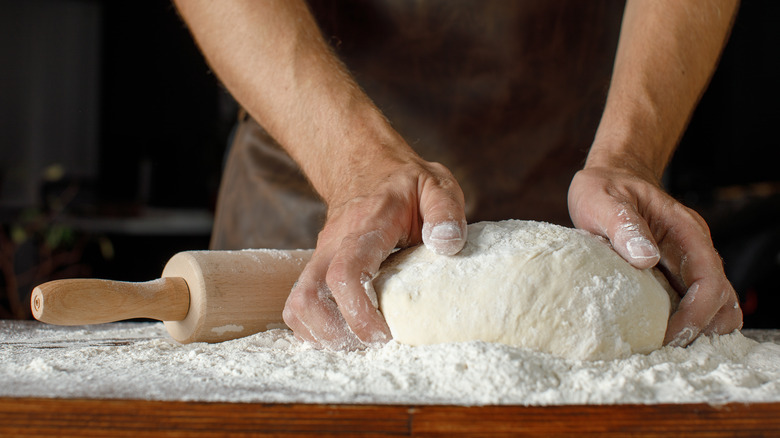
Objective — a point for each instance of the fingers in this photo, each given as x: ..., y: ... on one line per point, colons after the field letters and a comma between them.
x: 349, y: 276
x: 359, y: 235
x: 631, y: 236
x: 703, y: 312
x: 444, y: 237
x: 647, y: 226
x: 709, y: 304
x: 444, y: 228
x: 728, y: 319
x: 614, y: 216
x: 333, y: 304
x: 313, y: 315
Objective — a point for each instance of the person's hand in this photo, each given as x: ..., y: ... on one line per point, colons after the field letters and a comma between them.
x: 645, y: 225
x: 333, y: 305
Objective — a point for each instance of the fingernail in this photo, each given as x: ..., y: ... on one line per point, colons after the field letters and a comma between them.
x: 641, y: 248
x: 444, y: 238
x: 683, y: 338
x: 378, y: 338
x: 446, y: 231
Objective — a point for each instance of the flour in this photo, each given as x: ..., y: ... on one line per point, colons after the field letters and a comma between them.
x: 140, y: 361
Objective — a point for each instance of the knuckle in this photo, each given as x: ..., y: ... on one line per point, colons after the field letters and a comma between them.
x: 298, y: 301
x: 693, y: 217
x: 338, y: 276
x: 289, y: 317
x: 294, y: 306
x: 442, y: 176
x: 438, y: 168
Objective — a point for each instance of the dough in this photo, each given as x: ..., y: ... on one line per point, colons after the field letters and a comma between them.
x: 527, y: 284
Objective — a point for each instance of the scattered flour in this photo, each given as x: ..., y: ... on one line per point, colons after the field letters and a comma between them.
x: 228, y: 328
x: 140, y: 361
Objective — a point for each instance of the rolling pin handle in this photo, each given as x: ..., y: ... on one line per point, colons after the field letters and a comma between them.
x: 91, y: 301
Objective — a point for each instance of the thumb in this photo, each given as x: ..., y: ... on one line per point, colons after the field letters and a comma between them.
x: 603, y: 203
x: 444, y: 228
x: 631, y: 237
x: 625, y: 228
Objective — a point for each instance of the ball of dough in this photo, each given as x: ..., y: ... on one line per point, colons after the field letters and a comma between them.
x: 527, y: 284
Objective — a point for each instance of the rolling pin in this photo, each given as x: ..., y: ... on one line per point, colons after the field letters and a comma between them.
x: 203, y: 296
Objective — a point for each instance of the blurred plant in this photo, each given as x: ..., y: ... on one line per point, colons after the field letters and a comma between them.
x: 37, y: 247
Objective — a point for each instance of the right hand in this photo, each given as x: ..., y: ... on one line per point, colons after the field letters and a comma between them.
x: 380, y: 194
x: 400, y: 203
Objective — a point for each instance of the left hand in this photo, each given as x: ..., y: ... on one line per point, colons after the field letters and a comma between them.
x: 645, y: 225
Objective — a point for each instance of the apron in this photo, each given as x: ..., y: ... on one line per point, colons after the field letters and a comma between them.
x: 506, y: 94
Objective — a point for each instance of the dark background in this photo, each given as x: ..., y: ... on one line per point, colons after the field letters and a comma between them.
x: 113, y: 131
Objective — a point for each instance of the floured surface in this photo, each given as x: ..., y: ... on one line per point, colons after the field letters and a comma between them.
x: 140, y: 361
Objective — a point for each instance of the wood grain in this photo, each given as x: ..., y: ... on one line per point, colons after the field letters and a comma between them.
x: 80, y: 301
x: 689, y: 420
x: 233, y: 294
x: 204, y: 296
x: 58, y: 417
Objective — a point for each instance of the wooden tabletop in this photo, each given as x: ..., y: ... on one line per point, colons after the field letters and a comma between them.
x: 81, y: 418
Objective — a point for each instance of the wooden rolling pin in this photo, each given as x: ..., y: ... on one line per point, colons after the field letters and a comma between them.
x: 203, y: 296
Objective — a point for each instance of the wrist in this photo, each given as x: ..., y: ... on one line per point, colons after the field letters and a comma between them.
x: 614, y: 156
x: 626, y: 139
x: 350, y: 152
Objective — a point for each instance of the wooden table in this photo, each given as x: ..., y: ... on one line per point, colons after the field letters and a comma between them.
x: 81, y: 418
x: 96, y: 417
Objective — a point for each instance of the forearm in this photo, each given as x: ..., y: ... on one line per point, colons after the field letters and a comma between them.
x: 667, y: 52
x: 273, y: 59
x: 666, y: 55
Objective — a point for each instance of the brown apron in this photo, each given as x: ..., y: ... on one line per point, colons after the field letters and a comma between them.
x: 506, y: 94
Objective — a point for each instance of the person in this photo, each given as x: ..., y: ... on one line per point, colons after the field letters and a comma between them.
x: 379, y: 193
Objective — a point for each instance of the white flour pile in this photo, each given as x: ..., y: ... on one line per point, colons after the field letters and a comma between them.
x: 140, y: 361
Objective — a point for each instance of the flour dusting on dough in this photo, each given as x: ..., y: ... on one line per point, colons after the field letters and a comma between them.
x: 526, y: 284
